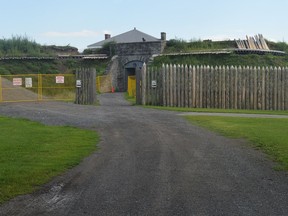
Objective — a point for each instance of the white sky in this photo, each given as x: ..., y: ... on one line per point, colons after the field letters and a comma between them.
x: 84, y: 22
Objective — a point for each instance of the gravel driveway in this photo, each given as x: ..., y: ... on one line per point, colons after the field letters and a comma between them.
x: 151, y: 162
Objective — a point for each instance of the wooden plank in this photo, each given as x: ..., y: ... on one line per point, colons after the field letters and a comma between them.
x: 209, y: 69
x: 150, y: 86
x: 271, y: 76
x: 204, y: 87
x: 178, y: 86
x: 216, y: 86
x: 275, y: 99
x: 254, y: 88
x: 263, y: 100
x: 222, y: 86
x: 280, y: 89
x: 201, y: 87
x: 186, y: 73
x: 164, y: 87
x: 171, y: 74
x: 175, y: 85
x: 190, y: 86
x: 236, y: 89
x: 167, y: 84
x: 144, y: 84
x: 227, y: 81
x: 266, y: 88
x: 194, y: 87
x: 148, y: 81
x: 232, y: 87
x: 197, y: 86
x: 286, y: 88
x: 182, y: 86
x: 159, y: 88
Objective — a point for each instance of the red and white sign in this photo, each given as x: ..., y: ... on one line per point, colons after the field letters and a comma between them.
x: 17, y: 81
x: 59, y: 79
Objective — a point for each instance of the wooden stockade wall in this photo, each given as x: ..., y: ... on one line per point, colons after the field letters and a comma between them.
x: 86, y: 86
x: 224, y: 87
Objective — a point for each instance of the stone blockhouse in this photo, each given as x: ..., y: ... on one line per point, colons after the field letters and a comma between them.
x: 132, y: 49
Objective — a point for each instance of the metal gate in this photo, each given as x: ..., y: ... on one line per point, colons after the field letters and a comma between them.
x: 37, y: 87
x: 44, y: 87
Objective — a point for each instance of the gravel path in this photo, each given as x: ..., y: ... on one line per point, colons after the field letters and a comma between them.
x: 151, y: 162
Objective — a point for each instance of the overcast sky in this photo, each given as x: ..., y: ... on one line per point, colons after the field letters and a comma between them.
x: 80, y: 23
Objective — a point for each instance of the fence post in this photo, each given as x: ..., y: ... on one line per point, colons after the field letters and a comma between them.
x: 163, y: 83
x: 138, y: 86
x: 285, y: 88
x: 1, y: 98
x: 143, y: 84
x: 86, y: 86
x: 40, y: 87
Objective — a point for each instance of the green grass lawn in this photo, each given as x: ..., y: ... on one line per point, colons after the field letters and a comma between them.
x: 269, y: 135
x: 180, y: 109
x: 32, y: 153
x: 130, y: 99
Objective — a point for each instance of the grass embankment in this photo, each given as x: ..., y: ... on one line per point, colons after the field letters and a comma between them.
x: 224, y: 60
x: 179, y: 45
x: 68, y: 66
x: 182, y: 46
x: 32, y: 153
x: 269, y: 135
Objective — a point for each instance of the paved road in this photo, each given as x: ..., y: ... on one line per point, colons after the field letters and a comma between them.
x: 151, y: 162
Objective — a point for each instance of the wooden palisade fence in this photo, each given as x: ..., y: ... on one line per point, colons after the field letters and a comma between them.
x: 85, y: 86
x: 225, y: 87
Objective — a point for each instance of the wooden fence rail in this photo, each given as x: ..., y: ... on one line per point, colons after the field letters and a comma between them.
x: 225, y: 87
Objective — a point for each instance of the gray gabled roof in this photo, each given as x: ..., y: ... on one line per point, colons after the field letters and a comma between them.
x: 132, y: 36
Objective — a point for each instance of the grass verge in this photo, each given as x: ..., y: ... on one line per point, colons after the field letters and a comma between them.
x: 32, y: 153
x: 180, y: 109
x: 131, y: 99
x: 269, y: 135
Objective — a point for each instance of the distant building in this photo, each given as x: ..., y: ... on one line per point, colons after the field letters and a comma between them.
x: 132, y: 50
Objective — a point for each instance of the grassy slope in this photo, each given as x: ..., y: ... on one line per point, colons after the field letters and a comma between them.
x: 32, y: 153
x: 269, y: 135
x: 224, y: 59
x: 49, y: 66
x: 180, y: 46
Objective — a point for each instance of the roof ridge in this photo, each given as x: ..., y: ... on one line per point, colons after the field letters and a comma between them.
x: 132, y: 36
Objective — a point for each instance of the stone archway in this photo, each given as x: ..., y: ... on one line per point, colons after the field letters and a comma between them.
x: 130, y: 69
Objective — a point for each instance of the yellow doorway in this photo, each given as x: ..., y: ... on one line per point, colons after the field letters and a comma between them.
x: 131, y: 88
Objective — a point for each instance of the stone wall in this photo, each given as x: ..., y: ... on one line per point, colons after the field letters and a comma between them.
x: 142, y: 48
x: 129, y: 52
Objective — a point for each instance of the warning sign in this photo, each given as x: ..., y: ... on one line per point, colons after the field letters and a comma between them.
x: 78, y: 83
x: 17, y: 81
x: 154, y: 83
x: 59, y: 79
x: 28, y: 82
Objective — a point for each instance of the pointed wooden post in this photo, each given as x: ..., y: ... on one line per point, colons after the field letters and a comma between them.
x: 143, y: 84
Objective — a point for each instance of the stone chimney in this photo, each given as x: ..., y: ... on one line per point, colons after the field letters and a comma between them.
x: 107, y: 36
x: 163, y: 36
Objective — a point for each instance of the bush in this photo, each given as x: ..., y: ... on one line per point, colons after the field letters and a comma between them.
x: 19, y: 46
